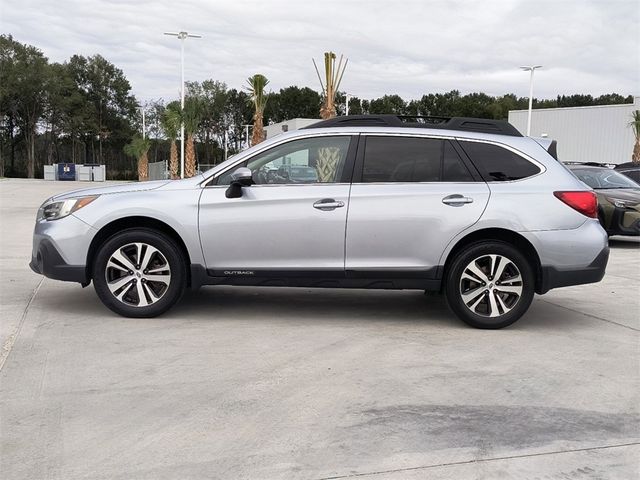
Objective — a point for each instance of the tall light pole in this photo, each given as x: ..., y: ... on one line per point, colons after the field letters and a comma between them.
x: 182, y: 36
x: 531, y: 68
x: 226, y: 143
x: 246, y: 134
x: 144, y: 125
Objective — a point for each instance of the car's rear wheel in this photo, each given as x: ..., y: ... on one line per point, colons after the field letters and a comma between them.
x: 489, y: 284
x: 139, y: 273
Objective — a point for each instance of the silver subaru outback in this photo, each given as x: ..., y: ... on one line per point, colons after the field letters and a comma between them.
x: 468, y: 207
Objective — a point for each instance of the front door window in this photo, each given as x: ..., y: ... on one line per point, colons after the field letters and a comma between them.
x: 307, y: 160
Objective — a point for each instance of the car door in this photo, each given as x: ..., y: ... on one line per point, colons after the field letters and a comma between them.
x: 410, y: 196
x: 291, y: 221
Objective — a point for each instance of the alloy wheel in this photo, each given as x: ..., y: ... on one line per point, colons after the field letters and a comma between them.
x: 491, y: 285
x: 138, y: 274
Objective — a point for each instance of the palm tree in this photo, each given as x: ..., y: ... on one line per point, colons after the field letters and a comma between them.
x: 333, y: 77
x: 635, y: 124
x: 191, y: 116
x: 138, y: 148
x: 170, y: 121
x: 259, y: 100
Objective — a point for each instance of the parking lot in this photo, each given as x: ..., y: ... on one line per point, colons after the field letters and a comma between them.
x: 311, y: 384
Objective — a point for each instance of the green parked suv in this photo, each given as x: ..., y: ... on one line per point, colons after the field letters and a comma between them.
x: 618, y: 198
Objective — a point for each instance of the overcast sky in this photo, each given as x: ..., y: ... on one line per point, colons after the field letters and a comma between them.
x: 393, y: 46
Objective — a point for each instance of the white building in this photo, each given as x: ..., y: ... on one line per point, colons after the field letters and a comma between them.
x: 288, y: 126
x: 584, y: 134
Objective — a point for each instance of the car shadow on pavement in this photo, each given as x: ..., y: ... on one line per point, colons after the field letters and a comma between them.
x: 314, y: 304
x: 300, y: 305
x: 624, y: 242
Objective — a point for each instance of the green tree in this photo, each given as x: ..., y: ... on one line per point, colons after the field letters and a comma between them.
x: 238, y: 112
x: 213, y: 96
x: 292, y: 102
x: 138, y: 148
x: 612, y: 99
x: 191, y: 116
x: 171, y: 121
x: 24, y: 74
x: 635, y: 125
x: 109, y: 103
x: 393, y: 104
x: 256, y: 86
x: 154, y: 113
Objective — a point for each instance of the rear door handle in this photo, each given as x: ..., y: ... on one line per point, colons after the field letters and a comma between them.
x: 456, y: 200
x: 328, y: 204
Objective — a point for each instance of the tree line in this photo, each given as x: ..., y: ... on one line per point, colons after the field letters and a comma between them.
x: 83, y: 111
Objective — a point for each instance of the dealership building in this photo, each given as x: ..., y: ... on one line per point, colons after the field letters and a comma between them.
x: 584, y: 134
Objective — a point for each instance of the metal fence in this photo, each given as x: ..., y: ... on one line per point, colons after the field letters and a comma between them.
x: 158, y: 170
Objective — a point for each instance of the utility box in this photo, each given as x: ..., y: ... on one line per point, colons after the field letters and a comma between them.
x: 99, y: 173
x: 85, y: 173
x: 91, y: 172
x: 49, y: 172
x: 66, y: 171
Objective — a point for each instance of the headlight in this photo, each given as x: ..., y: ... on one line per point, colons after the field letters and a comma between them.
x: 617, y: 203
x: 63, y: 208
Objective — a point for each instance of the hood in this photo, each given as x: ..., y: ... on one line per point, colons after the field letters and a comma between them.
x: 627, y: 195
x: 124, y: 187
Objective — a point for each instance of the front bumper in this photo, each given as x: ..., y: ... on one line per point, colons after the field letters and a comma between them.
x: 60, y: 249
x: 624, y: 221
x: 47, y: 261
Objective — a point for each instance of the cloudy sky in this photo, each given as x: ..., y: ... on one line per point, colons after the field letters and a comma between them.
x: 394, y: 46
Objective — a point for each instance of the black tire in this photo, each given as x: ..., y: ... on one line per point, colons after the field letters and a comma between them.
x: 515, y: 305
x: 169, y: 257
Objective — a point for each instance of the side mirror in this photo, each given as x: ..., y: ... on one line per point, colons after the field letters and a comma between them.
x: 242, y: 177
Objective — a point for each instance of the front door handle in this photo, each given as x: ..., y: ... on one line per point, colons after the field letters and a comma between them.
x: 456, y: 200
x: 328, y: 204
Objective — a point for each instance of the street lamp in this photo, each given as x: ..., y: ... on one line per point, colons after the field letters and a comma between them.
x: 226, y: 142
x: 182, y: 36
x: 530, y: 68
x: 246, y: 134
x: 144, y: 126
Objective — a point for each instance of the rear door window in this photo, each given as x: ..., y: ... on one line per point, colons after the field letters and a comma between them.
x: 391, y: 159
x: 497, y: 164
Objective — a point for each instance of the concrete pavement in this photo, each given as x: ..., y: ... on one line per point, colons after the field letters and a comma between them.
x: 312, y: 384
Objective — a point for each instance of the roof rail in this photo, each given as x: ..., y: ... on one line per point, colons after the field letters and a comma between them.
x: 590, y: 164
x: 482, y: 125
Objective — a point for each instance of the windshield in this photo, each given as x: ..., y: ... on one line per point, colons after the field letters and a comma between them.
x: 599, y: 179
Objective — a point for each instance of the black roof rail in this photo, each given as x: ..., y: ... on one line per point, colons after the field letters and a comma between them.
x: 482, y: 125
x: 590, y: 164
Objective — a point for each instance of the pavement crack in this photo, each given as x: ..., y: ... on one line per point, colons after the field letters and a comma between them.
x: 480, y: 460
x: 590, y: 315
x: 8, y: 345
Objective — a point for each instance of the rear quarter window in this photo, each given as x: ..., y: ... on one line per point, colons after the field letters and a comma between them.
x: 497, y: 164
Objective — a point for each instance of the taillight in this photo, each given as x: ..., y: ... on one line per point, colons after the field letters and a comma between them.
x: 584, y: 202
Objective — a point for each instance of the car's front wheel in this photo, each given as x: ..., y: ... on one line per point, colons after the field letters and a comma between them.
x: 139, y: 273
x: 490, y: 285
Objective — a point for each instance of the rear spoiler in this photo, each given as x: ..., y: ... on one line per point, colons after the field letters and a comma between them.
x: 551, y: 146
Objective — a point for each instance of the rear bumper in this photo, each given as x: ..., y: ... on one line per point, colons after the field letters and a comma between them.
x: 47, y: 261
x: 553, y: 277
